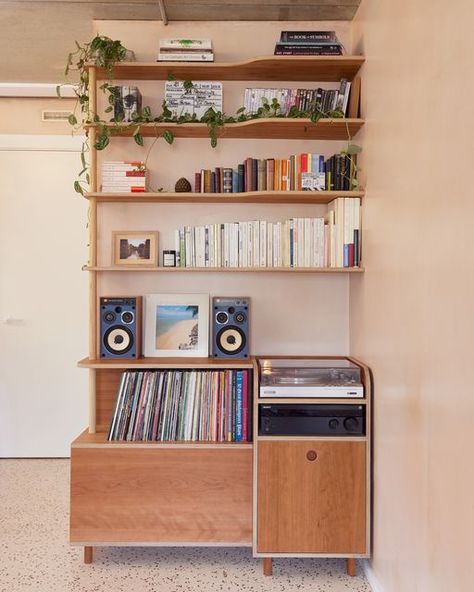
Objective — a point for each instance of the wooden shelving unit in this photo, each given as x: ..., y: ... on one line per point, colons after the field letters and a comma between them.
x: 278, y: 68
x: 185, y: 493
x: 247, y: 197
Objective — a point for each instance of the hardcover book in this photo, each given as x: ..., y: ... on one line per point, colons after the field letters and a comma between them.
x: 195, y: 100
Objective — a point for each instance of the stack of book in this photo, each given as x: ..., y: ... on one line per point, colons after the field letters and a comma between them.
x: 195, y: 100
x: 304, y: 99
x: 183, y: 405
x: 185, y: 50
x: 298, y: 43
x: 123, y: 176
x: 297, y: 173
x: 333, y: 241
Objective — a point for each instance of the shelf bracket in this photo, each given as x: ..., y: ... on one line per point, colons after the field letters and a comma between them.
x: 164, y: 16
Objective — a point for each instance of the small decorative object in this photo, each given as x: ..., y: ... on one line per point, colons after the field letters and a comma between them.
x: 176, y: 325
x: 169, y: 258
x: 135, y: 248
x: 127, y: 103
x: 182, y: 186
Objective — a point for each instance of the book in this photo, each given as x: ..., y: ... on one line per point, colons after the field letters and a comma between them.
x: 195, y: 100
x: 307, y: 36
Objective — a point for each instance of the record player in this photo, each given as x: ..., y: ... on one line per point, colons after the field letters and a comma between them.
x: 311, y: 378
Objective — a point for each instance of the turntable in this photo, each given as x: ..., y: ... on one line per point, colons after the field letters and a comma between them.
x: 312, y: 378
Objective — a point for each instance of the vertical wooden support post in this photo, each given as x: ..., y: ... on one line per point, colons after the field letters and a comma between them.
x: 92, y: 401
x: 267, y: 566
x: 88, y: 554
x: 351, y: 567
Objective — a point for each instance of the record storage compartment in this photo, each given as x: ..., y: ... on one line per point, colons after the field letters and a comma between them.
x: 157, y: 493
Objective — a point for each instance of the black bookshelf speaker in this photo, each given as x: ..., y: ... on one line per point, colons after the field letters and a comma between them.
x: 230, y: 327
x: 120, y: 327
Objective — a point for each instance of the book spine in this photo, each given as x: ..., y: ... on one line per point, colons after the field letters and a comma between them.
x: 197, y: 182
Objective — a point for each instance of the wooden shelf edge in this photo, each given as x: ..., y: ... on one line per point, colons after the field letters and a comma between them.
x: 263, y: 128
x: 99, y: 440
x: 227, y: 269
x: 276, y: 68
x: 248, y: 197
x: 167, y: 363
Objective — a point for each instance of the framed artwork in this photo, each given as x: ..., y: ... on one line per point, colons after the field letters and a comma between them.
x: 176, y: 325
x: 135, y: 248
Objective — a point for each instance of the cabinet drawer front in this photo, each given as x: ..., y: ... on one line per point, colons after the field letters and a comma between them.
x: 311, y: 497
x: 161, y: 496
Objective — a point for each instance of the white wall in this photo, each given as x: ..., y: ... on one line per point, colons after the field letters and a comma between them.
x: 43, y: 297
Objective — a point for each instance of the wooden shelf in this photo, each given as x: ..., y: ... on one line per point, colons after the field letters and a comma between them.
x: 99, y: 440
x: 291, y: 68
x: 247, y: 197
x: 227, y: 269
x: 272, y: 128
x: 166, y: 363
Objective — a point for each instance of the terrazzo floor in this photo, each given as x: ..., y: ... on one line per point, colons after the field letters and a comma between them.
x: 35, y: 554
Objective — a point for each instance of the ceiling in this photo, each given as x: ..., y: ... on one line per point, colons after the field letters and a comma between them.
x: 36, y: 34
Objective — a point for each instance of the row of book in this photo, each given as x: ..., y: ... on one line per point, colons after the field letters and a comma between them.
x: 123, y: 176
x: 304, y: 99
x: 308, y: 43
x: 185, y: 50
x: 299, y: 172
x: 333, y: 241
x: 183, y: 405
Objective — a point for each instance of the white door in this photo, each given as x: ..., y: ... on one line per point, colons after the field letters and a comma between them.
x: 43, y: 297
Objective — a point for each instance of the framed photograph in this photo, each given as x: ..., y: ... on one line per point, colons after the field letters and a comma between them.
x: 135, y: 248
x: 176, y: 325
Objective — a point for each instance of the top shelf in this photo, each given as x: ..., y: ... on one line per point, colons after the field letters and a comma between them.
x: 283, y: 68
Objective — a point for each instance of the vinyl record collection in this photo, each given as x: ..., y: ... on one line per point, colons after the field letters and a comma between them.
x: 183, y: 405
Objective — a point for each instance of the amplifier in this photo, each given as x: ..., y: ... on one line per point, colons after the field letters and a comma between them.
x: 311, y: 420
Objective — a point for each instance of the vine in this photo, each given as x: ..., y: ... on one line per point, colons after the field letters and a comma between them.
x: 105, y: 53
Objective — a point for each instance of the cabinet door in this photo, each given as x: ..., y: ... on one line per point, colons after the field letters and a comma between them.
x: 311, y: 497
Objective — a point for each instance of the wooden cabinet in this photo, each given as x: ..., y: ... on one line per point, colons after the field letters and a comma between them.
x: 160, y: 494
x: 311, y: 497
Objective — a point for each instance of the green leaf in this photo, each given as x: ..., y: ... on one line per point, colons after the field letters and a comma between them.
x: 171, y: 77
x: 78, y: 188
x: 109, y: 109
x: 58, y: 90
x: 353, y: 149
x: 168, y: 136
x: 88, y: 179
x: 241, y: 110
x: 138, y: 138
x: 188, y: 85
x: 83, y: 158
x: 96, y: 43
x: 213, y: 141
x: 82, y: 172
x: 146, y: 112
x: 72, y: 119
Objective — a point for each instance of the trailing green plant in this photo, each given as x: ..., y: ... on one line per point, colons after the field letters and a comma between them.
x: 351, y: 152
x: 105, y: 53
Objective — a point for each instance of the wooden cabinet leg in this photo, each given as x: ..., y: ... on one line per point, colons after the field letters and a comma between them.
x: 88, y: 553
x: 267, y: 566
x: 351, y: 567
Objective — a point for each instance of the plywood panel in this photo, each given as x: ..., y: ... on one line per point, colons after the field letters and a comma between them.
x: 162, y: 495
x: 311, y: 497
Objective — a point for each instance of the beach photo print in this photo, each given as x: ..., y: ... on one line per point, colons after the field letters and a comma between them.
x: 176, y: 325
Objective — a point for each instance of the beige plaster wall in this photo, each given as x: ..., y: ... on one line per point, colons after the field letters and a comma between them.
x: 412, y: 311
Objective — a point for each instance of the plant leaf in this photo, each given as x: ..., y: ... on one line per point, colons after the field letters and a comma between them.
x: 72, y: 119
x: 138, y: 138
x: 353, y: 149
x: 78, y: 188
x: 168, y: 136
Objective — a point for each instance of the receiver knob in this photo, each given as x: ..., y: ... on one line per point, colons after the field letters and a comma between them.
x: 333, y: 424
x: 351, y: 424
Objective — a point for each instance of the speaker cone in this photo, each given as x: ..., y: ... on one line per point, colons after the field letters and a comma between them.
x: 231, y: 340
x: 118, y: 340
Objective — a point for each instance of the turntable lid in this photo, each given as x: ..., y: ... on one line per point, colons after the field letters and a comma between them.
x: 308, y: 372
